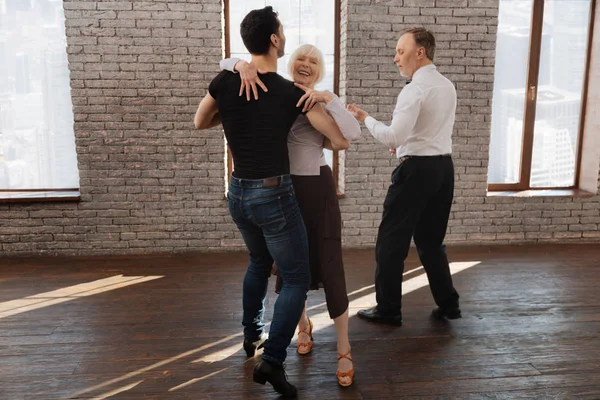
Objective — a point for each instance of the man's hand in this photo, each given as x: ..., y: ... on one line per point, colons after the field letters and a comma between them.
x: 393, y: 152
x: 313, y: 97
x: 249, y: 76
x: 357, y: 112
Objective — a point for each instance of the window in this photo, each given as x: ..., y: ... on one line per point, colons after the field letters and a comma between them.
x: 37, y: 145
x: 540, y: 83
x: 304, y: 22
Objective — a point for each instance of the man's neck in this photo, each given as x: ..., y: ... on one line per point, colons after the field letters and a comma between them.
x: 265, y: 62
x: 424, y: 64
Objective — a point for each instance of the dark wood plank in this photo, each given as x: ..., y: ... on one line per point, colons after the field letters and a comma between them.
x: 530, y: 330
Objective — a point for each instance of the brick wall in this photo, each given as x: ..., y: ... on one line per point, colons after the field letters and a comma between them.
x: 151, y: 183
x: 466, y: 32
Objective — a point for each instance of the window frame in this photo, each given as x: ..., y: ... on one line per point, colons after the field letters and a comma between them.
x: 39, y: 195
x: 29, y: 195
x: 535, y: 43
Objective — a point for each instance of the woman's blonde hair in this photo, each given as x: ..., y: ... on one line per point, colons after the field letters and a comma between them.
x: 308, y: 50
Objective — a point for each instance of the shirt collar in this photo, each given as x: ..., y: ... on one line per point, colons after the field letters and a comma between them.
x: 423, y: 70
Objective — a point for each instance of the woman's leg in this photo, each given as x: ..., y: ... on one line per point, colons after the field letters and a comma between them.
x: 343, y: 346
x: 303, y: 326
x: 318, y: 202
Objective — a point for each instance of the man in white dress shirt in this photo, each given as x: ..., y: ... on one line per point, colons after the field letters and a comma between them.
x: 420, y: 196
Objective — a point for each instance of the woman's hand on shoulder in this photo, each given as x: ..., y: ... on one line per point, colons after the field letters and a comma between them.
x: 249, y: 77
x: 312, y: 97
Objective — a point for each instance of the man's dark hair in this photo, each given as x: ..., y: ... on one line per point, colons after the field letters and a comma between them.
x: 256, y: 30
x: 423, y: 38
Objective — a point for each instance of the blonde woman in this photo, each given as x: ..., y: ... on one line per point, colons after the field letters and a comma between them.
x: 316, y: 193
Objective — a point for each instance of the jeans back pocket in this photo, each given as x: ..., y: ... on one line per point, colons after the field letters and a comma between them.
x: 268, y: 214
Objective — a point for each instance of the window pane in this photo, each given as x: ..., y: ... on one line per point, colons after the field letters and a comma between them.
x: 327, y: 84
x: 318, y: 24
x: 304, y: 21
x: 237, y: 11
x: 328, y: 157
x: 558, y: 103
x: 37, y: 146
x: 289, y: 15
x: 510, y: 79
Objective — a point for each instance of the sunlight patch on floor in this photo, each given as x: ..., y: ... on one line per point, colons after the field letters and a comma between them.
x: 408, y: 286
x: 41, y: 300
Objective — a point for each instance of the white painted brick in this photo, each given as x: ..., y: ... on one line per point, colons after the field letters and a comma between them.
x: 149, y: 183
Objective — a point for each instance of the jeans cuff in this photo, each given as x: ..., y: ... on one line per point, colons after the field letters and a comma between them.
x: 254, y: 334
x: 272, y: 360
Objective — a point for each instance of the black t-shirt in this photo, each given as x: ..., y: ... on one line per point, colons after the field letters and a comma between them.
x: 257, y: 130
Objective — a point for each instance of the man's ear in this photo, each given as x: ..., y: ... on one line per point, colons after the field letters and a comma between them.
x: 274, y: 40
x: 421, y: 52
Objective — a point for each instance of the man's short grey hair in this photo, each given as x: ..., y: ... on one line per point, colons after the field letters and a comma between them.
x: 423, y: 38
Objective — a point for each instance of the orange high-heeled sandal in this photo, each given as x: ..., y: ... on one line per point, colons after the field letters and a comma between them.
x: 350, y: 374
x: 305, y: 348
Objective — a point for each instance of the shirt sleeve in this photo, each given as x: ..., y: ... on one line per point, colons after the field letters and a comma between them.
x: 213, y: 87
x: 403, y: 120
x: 228, y: 64
x: 348, y: 125
x: 297, y: 94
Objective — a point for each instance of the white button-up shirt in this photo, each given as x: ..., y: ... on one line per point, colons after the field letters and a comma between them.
x: 423, y: 119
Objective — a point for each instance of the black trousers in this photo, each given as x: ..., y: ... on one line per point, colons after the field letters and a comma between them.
x: 417, y: 206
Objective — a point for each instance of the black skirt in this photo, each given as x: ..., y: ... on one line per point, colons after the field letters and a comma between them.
x: 317, y: 198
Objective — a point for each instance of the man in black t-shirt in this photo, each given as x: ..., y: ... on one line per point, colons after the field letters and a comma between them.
x: 257, y: 131
x: 261, y: 196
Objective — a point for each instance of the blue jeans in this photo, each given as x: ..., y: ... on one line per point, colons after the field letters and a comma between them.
x: 272, y: 227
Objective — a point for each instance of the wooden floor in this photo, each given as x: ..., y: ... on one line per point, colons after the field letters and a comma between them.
x: 531, y: 330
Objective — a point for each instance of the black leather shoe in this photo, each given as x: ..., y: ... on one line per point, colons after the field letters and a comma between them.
x: 265, y: 372
x: 450, y: 313
x: 251, y: 345
x: 373, y: 315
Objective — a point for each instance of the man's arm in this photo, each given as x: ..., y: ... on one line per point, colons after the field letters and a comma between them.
x: 327, y: 144
x: 323, y: 122
x: 207, y: 115
x: 403, y: 121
